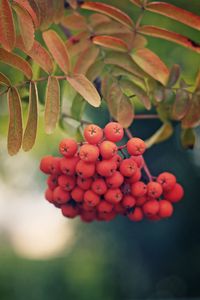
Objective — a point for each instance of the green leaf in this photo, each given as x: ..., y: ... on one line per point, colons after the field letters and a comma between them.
x: 16, y: 61
x: 85, y: 88
x: 15, y: 130
x: 7, y: 28
x: 181, y: 104
x: 188, y: 138
x: 197, y: 82
x: 176, y: 13
x: 110, y: 11
x: 151, y: 64
x: 162, y: 134
x: 77, y: 107
x: 26, y: 26
x: 58, y: 50
x: 32, y: 120
x: 85, y: 60
x: 173, y: 75
x: 110, y: 42
x: 159, y: 93
x: 192, y: 118
x: 120, y: 106
x: 136, y: 90
x: 52, y: 104
x: 124, y: 61
x: 4, y: 79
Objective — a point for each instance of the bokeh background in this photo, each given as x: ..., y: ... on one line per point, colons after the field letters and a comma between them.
x: 44, y: 256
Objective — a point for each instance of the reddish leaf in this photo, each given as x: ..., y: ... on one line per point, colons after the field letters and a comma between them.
x: 16, y: 61
x: 74, y: 22
x: 170, y: 36
x: 73, y: 3
x: 110, y: 42
x: 175, y: 13
x: 110, y: 11
x: 181, y: 105
x: 39, y: 54
x: 139, y: 42
x: 192, y: 118
x: 25, y: 4
x: 85, y: 88
x: 151, y: 64
x: 120, y: 106
x: 110, y: 28
x: 95, y: 70
x: 58, y: 49
x: 25, y: 26
x: 52, y: 104
x: 32, y: 121
x: 78, y: 43
x: 4, y: 79
x: 15, y: 130
x: 97, y: 19
x: 34, y: 5
x: 85, y: 60
x: 7, y: 29
x: 136, y: 90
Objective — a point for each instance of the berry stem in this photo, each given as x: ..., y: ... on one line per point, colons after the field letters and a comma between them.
x: 145, y: 117
x: 145, y: 167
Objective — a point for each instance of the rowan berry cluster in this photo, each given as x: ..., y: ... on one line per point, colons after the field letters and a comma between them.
x: 98, y: 180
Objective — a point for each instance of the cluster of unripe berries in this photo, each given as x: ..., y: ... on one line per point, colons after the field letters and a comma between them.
x: 97, y: 181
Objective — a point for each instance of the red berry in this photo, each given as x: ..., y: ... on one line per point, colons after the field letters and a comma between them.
x: 84, y: 183
x: 165, y: 209
x: 138, y: 189
x: 106, y: 216
x: 108, y: 149
x: 167, y: 180
x: 49, y: 195
x: 69, y: 210
x: 176, y: 194
x: 67, y: 183
x: 77, y: 194
x: 128, y: 167
x: 136, y: 215
x: 84, y: 169
x: 88, y: 216
x: 86, y: 207
x: 151, y: 207
x: 68, y: 147
x: 60, y: 196
x: 106, y: 167
x: 68, y: 165
x: 52, y: 181
x: 128, y: 201
x: 113, y: 196
x: 99, y: 186
x: 141, y: 200
x: 117, y: 158
x: 114, y: 132
x: 119, y: 208
x: 154, y: 189
x: 104, y: 207
x: 91, y: 198
x: 93, y: 134
x: 136, y: 146
x: 115, y: 180
x: 89, y: 153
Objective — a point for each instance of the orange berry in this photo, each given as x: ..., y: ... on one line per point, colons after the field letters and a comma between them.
x: 77, y: 194
x: 52, y: 181
x: 68, y: 165
x: 49, y: 195
x: 99, y: 186
x: 60, y: 196
x: 67, y: 183
x: 114, y: 132
x: 115, y: 180
x: 69, y: 210
x: 176, y: 194
x: 154, y: 189
x: 113, y: 196
x: 84, y: 169
x: 128, y: 201
x: 91, y: 198
x: 106, y: 168
x: 135, y: 177
x: 128, y: 167
x: 167, y: 180
x: 151, y: 207
x: 93, y: 134
x: 68, y: 147
x: 108, y: 149
x: 138, y: 189
x: 104, y: 207
x: 136, y: 146
x: 165, y: 209
x: 117, y: 158
x: 139, y: 160
x: 136, y: 215
x: 45, y: 164
x: 84, y: 183
x: 89, y: 153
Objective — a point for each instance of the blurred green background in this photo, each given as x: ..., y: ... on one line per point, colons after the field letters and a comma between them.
x: 44, y: 256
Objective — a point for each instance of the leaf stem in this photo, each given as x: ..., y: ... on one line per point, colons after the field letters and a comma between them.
x: 145, y: 167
